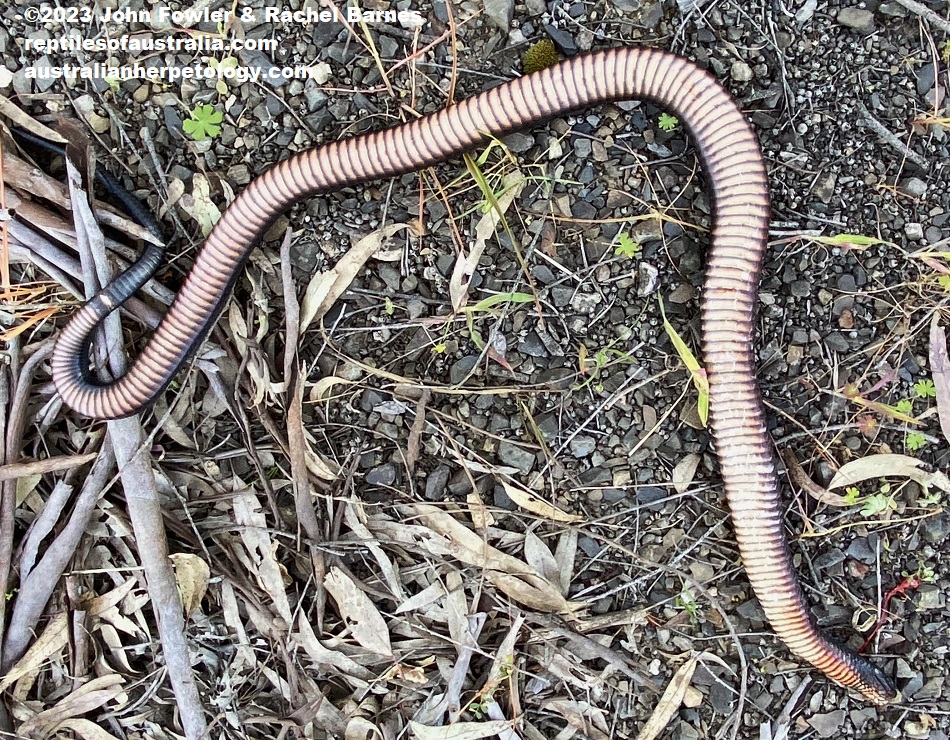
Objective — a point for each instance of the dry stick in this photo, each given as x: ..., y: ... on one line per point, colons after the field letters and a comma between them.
x: 37, y: 586
x: 885, y: 133
x: 145, y: 512
x: 13, y: 442
x: 297, y: 448
x: 6, y: 512
x: 141, y: 495
x: 27, y: 178
x: 41, y: 467
x: 296, y: 439
x: 927, y: 14
x: 303, y: 496
x: 291, y: 307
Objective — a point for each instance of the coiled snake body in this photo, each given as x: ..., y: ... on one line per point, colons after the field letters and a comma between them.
x: 737, y: 178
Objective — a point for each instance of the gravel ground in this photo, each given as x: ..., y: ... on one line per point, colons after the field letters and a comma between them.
x: 619, y: 442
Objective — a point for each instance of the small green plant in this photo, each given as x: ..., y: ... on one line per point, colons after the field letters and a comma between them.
x: 851, y: 495
x: 945, y: 53
x: 915, y: 441
x: 931, y: 497
x: 944, y: 281
x: 853, y: 394
x: 539, y: 56
x: 905, y: 406
x: 925, y: 388
x: 879, y: 504
x: 593, y: 366
x: 228, y: 63
x: 205, y: 123
x: 479, y: 709
x: 627, y: 247
x: 687, y: 602
x: 925, y: 573
x: 666, y: 122
x: 484, y: 306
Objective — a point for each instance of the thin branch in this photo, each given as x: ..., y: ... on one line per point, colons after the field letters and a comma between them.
x: 885, y: 133
x: 927, y: 14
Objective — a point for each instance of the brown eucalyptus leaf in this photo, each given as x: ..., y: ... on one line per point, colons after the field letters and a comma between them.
x: 361, y: 615
x: 192, y: 574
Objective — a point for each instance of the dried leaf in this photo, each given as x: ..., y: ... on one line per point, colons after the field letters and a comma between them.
x: 447, y: 536
x: 87, y: 698
x: 173, y: 193
x: 481, y: 515
x: 940, y: 368
x: 433, y: 593
x: 25, y: 485
x: 320, y: 467
x: 529, y: 502
x: 685, y: 472
x: 800, y: 478
x: 670, y: 702
x: 83, y: 728
x: 459, y: 731
x: 118, y: 651
x: 542, y: 596
x: 409, y: 674
x: 325, y: 287
x: 360, y: 613
x: 539, y: 557
x: 198, y: 204
x: 461, y: 627
x: 355, y: 518
x: 512, y: 184
x: 50, y: 642
x: 582, y: 716
x: 884, y: 466
x: 330, y: 660
x: 360, y: 728
x: 192, y: 574
x: 565, y: 553
x: 320, y: 390
x: 255, y: 534
x: 24, y: 119
x: 106, y: 608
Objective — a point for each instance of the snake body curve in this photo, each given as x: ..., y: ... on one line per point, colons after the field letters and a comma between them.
x: 737, y: 178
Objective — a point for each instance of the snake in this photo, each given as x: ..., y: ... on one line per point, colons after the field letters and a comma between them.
x: 736, y: 176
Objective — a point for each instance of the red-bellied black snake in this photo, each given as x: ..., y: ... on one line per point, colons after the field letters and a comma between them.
x: 737, y: 177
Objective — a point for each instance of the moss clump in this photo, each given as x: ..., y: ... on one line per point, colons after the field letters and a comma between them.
x: 540, y: 56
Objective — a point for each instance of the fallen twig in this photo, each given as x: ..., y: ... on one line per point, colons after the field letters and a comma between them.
x: 141, y: 494
x: 927, y: 14
x: 13, y: 471
x: 885, y: 133
x: 38, y: 582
